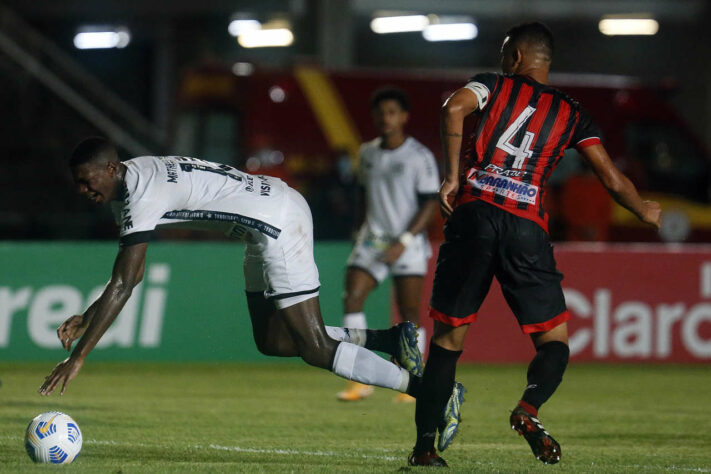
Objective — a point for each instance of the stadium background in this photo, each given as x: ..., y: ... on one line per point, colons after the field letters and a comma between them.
x: 184, y: 85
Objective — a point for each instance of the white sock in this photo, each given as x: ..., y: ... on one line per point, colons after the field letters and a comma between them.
x: 422, y: 340
x: 354, y: 336
x: 356, y: 363
x: 355, y: 321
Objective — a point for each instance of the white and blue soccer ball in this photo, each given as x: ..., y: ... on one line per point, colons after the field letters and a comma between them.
x: 53, y: 437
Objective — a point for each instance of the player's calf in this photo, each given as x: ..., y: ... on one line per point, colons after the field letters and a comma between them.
x: 545, y: 372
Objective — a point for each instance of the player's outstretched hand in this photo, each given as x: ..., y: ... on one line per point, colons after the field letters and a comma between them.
x: 392, y: 253
x: 71, y: 330
x: 652, y: 214
x: 63, y: 373
x: 447, y: 191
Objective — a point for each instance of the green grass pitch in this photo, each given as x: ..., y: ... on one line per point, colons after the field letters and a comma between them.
x: 285, y: 418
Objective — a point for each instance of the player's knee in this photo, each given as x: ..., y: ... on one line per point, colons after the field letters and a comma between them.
x: 449, y: 337
x: 267, y: 348
x: 557, y: 352
x: 274, y: 347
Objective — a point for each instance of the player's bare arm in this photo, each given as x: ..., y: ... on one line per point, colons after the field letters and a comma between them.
x: 127, y: 272
x: 620, y: 187
x: 74, y: 327
x: 460, y: 104
x: 418, y: 224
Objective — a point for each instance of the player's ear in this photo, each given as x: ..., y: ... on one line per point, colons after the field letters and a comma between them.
x: 517, y: 57
x: 112, y: 167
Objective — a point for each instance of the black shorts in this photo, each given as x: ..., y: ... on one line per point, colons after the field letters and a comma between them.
x: 483, y: 241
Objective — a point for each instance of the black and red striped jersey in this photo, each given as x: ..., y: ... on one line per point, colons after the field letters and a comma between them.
x: 522, y: 131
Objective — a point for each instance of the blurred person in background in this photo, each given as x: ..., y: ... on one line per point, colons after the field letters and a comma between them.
x: 398, y: 180
x: 497, y: 226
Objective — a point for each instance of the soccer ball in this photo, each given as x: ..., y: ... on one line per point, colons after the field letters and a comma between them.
x: 53, y: 437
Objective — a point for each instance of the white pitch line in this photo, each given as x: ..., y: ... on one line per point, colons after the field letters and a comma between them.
x: 296, y: 452
x: 239, y: 449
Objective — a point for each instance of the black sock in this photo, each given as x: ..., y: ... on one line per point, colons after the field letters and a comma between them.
x: 435, y: 390
x: 382, y: 340
x: 545, y: 373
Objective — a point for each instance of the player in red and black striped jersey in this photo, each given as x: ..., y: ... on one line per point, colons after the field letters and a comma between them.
x: 523, y: 130
x: 497, y: 226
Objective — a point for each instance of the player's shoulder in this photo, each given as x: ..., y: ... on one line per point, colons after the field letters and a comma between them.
x: 584, y: 119
x: 563, y: 96
x: 142, y: 173
x: 486, y: 77
x: 143, y: 164
x: 371, y: 146
x: 144, y: 160
x: 416, y: 147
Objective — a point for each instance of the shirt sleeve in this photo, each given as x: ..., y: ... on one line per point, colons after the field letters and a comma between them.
x: 586, y: 132
x: 482, y: 85
x: 139, y: 214
x: 138, y: 219
x: 427, y: 179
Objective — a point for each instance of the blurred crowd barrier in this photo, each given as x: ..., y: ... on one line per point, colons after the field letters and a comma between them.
x: 191, y: 305
x: 628, y: 302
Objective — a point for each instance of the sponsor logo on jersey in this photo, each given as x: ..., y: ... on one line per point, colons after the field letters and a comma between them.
x: 503, y: 186
x: 126, y: 221
x: 492, y: 168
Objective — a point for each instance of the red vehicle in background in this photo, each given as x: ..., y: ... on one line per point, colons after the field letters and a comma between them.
x: 305, y: 125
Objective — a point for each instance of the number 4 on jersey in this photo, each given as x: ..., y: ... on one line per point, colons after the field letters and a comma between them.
x: 523, y: 151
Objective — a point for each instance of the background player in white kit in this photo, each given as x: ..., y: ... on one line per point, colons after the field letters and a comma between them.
x: 281, y: 277
x: 400, y: 182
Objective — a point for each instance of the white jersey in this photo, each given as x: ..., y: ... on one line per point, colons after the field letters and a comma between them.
x: 187, y: 192
x: 393, y: 181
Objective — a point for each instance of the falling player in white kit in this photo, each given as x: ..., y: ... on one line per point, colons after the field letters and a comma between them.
x: 282, y: 281
x: 400, y: 182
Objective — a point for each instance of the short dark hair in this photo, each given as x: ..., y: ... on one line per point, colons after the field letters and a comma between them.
x: 534, y: 33
x: 91, y: 149
x: 390, y: 93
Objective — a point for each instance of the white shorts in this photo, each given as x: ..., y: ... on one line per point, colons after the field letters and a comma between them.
x: 368, y: 249
x: 284, y: 268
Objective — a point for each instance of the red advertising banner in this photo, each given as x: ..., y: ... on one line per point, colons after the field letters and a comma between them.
x: 628, y: 302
